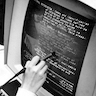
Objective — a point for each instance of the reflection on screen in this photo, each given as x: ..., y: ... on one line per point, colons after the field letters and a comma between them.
x: 49, y: 27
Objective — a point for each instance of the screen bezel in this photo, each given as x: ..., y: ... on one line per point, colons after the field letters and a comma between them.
x: 16, y: 31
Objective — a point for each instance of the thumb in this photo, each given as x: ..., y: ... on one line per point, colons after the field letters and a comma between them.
x: 27, y: 63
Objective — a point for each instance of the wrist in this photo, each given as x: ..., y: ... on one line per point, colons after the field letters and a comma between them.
x: 25, y: 92
x: 31, y: 89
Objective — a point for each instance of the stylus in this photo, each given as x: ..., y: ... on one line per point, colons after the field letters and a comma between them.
x: 23, y: 70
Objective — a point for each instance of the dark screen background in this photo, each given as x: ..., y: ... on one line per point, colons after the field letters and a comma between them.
x: 48, y: 28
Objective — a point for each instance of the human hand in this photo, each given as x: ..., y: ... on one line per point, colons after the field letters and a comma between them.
x: 35, y: 75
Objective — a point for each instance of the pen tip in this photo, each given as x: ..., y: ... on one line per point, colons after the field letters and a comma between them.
x: 53, y: 53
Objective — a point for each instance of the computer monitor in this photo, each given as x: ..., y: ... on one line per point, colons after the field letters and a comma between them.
x: 66, y: 27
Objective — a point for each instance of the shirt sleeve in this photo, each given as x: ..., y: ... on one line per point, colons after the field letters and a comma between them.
x: 24, y: 92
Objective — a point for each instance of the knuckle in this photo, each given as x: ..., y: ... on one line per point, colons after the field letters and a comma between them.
x: 40, y: 74
x: 34, y: 69
x: 28, y: 68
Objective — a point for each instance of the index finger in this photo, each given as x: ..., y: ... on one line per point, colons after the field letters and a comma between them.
x: 34, y: 61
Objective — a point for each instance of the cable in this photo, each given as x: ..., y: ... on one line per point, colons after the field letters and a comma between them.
x: 23, y: 70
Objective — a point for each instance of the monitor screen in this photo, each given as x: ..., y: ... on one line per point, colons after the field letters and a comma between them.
x: 66, y: 27
x: 49, y: 27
